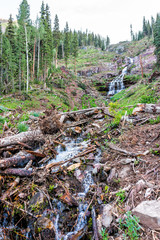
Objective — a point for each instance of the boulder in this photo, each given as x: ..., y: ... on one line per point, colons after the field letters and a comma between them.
x: 149, y: 213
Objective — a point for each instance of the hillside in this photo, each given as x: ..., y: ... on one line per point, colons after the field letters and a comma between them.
x: 93, y: 158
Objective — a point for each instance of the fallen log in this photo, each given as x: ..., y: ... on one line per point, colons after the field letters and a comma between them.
x: 15, y: 183
x: 16, y: 161
x: 24, y: 137
x: 148, y: 108
x: 17, y: 172
x: 91, y: 110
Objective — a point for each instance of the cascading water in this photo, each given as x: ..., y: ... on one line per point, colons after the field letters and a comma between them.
x: 117, y: 84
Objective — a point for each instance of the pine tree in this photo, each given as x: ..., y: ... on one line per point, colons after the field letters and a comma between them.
x: 107, y: 42
x: 1, y: 68
x: 24, y: 20
x: 75, y: 48
x: 66, y: 44
x: 145, y: 31
x: 11, y: 36
x: 157, y: 38
x: 56, y: 36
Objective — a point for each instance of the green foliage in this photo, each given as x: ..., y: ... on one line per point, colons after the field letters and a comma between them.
x: 2, y: 119
x: 82, y: 85
x: 51, y: 187
x: 121, y: 195
x: 88, y: 101
x: 35, y: 114
x: 22, y: 127
x: 130, y: 225
x: 104, y: 234
x: 155, y: 121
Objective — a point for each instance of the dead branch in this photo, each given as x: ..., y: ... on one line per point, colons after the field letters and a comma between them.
x: 17, y: 172
x: 16, y: 161
x: 94, y: 224
x: 15, y: 183
x: 123, y: 151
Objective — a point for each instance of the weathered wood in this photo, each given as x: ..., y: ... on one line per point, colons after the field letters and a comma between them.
x: 15, y: 183
x: 17, y: 172
x: 148, y: 108
x: 123, y: 151
x: 94, y: 224
x: 16, y: 161
x: 91, y: 110
x: 24, y: 137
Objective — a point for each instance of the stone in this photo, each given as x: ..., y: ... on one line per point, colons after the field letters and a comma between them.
x: 149, y: 213
x: 124, y: 172
x: 105, y: 219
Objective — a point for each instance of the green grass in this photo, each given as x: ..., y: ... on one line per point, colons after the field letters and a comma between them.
x: 22, y: 127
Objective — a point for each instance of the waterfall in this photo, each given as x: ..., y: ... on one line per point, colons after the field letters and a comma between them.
x: 117, y: 84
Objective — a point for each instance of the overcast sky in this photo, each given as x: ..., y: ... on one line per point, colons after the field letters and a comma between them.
x: 104, y: 17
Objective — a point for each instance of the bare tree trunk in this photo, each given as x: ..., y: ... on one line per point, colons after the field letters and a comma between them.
x: 75, y: 70
x: 19, y: 74
x: 141, y: 65
x: 34, y: 50
x: 27, y: 58
x: 38, y: 56
x: 56, y: 58
x: 62, y: 50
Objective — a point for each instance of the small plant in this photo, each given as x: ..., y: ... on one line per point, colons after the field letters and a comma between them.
x: 121, y: 195
x: 104, y: 234
x: 51, y: 187
x: 35, y: 114
x: 22, y: 127
x: 154, y: 121
x: 131, y: 226
x: 106, y: 189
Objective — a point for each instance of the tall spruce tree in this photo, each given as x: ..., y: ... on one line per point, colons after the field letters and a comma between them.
x: 23, y: 18
x: 1, y: 68
x: 75, y: 49
x: 156, y: 33
x: 66, y: 44
x: 56, y: 36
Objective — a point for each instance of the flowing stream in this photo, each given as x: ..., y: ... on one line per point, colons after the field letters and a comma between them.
x: 117, y: 84
x: 73, y: 147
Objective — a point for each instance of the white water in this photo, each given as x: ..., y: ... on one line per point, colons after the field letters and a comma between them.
x: 117, y: 84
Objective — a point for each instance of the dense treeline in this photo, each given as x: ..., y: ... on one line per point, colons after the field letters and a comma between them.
x: 28, y: 51
x: 150, y: 29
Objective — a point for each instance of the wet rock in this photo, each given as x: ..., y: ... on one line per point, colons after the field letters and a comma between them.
x: 149, y: 213
x: 105, y: 219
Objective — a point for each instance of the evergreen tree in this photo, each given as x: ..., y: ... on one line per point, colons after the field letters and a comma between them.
x: 107, y: 42
x: 66, y: 44
x: 56, y: 36
x: 75, y: 49
x: 157, y: 38
x: 145, y: 31
x: 24, y: 20
x: 1, y: 68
